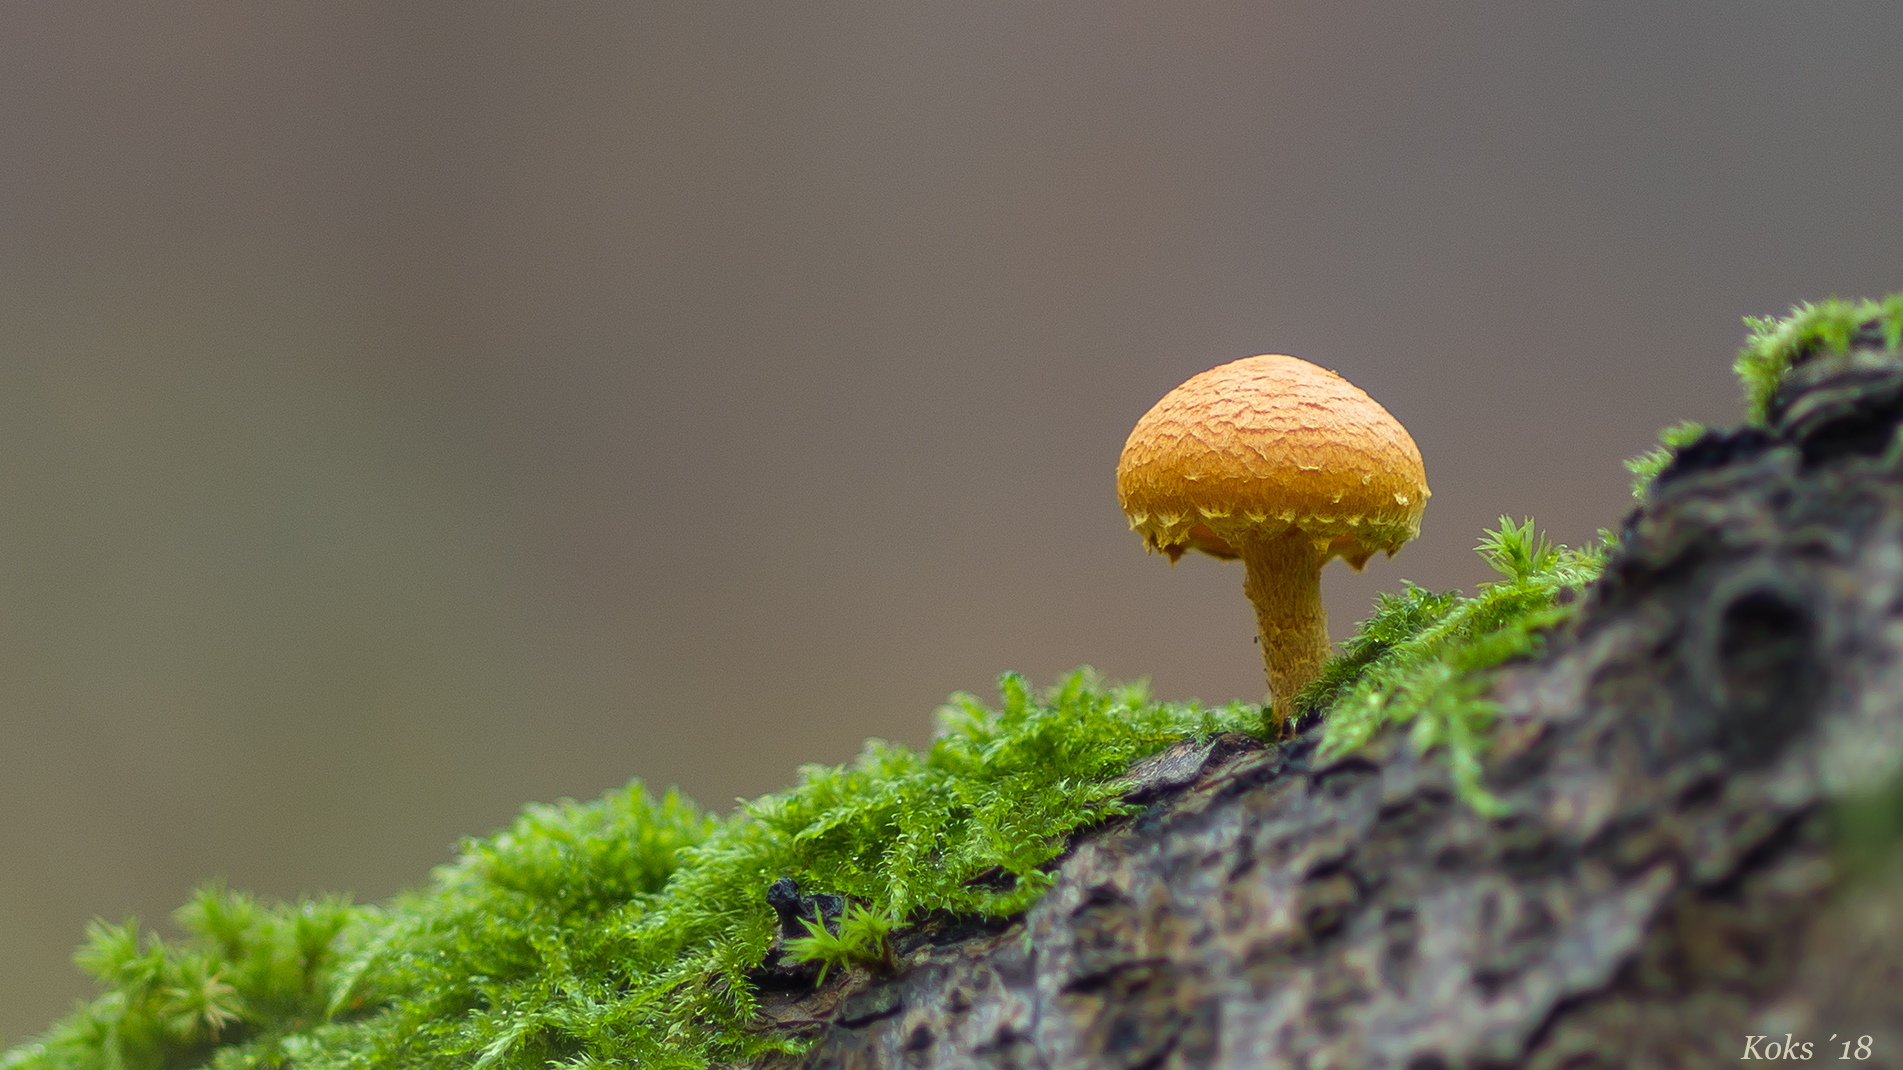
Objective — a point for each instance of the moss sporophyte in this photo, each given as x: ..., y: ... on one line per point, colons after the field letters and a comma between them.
x: 634, y: 929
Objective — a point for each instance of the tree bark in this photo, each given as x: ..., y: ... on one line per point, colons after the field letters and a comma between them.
x: 1669, y: 880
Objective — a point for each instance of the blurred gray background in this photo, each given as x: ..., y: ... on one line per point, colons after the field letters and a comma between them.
x: 408, y: 411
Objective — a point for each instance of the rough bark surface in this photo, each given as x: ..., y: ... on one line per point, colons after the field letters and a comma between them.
x: 1663, y: 887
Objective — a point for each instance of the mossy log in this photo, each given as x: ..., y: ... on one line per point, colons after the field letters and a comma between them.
x: 1670, y: 877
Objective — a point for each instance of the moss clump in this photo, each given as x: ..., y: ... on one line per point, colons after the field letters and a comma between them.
x: 260, y: 975
x: 1646, y: 466
x: 1773, y: 345
x: 621, y: 931
x: 861, y: 940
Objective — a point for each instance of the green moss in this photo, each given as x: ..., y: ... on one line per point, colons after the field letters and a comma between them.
x: 1868, y: 830
x: 621, y: 931
x: 1647, y: 466
x: 1421, y: 658
x: 862, y: 940
x: 1773, y: 345
x: 250, y: 974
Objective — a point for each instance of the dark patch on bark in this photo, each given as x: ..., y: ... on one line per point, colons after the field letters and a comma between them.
x: 777, y: 972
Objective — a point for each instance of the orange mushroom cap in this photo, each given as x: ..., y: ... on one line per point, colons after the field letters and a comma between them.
x: 1265, y: 444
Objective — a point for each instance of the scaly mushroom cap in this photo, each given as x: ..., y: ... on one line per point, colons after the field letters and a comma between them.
x: 1265, y: 444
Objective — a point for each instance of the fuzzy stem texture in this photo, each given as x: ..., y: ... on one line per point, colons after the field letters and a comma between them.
x: 1283, y: 580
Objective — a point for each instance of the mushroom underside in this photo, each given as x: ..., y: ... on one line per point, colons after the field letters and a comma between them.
x: 1349, y: 547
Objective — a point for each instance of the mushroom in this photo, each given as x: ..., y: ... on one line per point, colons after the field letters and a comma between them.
x: 1285, y: 465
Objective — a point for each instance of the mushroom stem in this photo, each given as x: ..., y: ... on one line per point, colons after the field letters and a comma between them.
x: 1283, y: 580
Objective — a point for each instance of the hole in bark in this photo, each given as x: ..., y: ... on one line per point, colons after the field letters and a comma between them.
x: 1766, y: 676
x: 1706, y: 789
